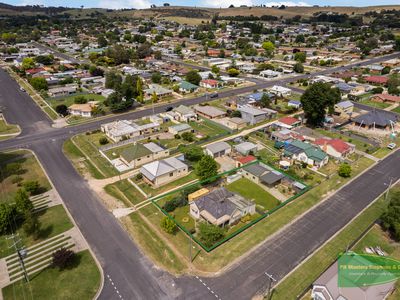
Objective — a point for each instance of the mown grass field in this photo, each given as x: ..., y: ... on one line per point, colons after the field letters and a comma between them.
x: 80, y: 281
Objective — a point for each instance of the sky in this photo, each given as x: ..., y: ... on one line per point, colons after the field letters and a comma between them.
x: 115, y: 4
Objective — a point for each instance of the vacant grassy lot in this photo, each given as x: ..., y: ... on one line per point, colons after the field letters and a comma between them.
x: 206, y: 127
x: 380, y: 105
x: 305, y: 275
x: 30, y: 170
x: 81, y: 281
x: 53, y: 221
x: 253, y: 192
x: 68, y: 101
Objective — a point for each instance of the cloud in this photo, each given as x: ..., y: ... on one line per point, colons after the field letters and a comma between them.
x: 287, y: 3
x: 116, y: 4
x: 227, y: 3
x: 31, y: 2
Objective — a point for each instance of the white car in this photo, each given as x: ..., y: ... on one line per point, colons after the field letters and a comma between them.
x: 391, y: 146
x: 22, y: 89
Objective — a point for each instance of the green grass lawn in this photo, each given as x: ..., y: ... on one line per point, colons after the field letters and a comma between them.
x: 182, y: 214
x: 53, y: 221
x: 253, y: 192
x: 7, y: 128
x: 30, y: 170
x: 206, y: 127
x: 380, y: 105
x: 68, y: 101
x: 120, y: 188
x: 87, y: 146
x: 174, y: 184
x: 308, y: 272
x: 396, y: 110
x: 81, y: 281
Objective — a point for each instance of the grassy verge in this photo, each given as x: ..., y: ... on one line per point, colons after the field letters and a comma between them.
x: 380, y: 105
x: 68, y: 101
x: 124, y: 190
x: 53, y: 221
x: 30, y: 170
x: 81, y: 281
x: 7, y: 128
x: 305, y: 275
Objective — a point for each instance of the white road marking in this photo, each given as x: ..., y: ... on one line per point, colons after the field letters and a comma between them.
x: 208, y: 288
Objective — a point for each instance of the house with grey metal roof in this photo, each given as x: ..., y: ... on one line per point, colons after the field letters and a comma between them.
x: 262, y: 174
x: 245, y: 148
x: 209, y: 112
x: 185, y: 113
x: 255, y: 115
x: 180, y: 128
x: 163, y: 171
x: 221, y: 207
x: 159, y: 90
x: 218, y: 149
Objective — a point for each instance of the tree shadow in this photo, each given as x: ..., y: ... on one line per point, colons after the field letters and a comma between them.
x: 45, y: 232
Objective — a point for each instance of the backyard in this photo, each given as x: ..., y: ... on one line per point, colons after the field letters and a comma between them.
x: 68, y: 101
x: 253, y: 192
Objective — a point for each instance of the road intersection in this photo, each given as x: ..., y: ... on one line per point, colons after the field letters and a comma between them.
x: 128, y: 274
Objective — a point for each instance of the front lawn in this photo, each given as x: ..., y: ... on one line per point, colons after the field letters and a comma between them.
x: 68, y: 101
x: 81, y: 281
x: 253, y: 192
x: 207, y: 128
x: 30, y: 170
x: 124, y: 190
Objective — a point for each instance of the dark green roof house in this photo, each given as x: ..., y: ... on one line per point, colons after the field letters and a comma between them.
x: 187, y: 87
x: 307, y: 153
x: 139, y: 154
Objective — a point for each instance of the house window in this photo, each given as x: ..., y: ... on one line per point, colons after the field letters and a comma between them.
x: 171, y: 174
x: 138, y: 159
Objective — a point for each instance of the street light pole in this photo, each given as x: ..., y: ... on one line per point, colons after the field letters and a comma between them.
x: 270, y: 280
x: 21, y: 252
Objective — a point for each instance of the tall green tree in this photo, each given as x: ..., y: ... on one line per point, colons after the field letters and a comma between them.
x: 206, y: 167
x: 193, y: 77
x: 316, y: 100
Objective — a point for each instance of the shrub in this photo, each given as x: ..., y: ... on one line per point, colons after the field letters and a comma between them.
x: 171, y: 205
x: 168, y: 225
x: 210, y: 234
x: 103, y: 140
x: 63, y: 258
x: 344, y: 170
x: 32, y: 187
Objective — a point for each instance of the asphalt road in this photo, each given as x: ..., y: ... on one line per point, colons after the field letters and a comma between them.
x: 60, y: 54
x: 128, y: 273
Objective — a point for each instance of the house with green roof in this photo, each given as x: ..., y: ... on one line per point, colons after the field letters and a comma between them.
x: 187, y: 87
x: 305, y: 153
x: 139, y: 154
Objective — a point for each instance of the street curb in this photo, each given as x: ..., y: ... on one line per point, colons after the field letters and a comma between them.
x: 100, y: 268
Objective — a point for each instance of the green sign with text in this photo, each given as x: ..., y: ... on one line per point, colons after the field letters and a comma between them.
x: 358, y: 270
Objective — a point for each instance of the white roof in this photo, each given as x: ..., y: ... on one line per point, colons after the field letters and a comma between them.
x: 160, y: 167
x: 153, y: 147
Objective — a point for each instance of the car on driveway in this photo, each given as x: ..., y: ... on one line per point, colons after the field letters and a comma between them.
x: 391, y: 146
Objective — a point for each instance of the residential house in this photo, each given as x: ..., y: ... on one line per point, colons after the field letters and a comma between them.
x: 269, y: 74
x: 124, y: 129
x: 260, y: 173
x: 209, y: 112
x: 377, y: 80
x: 255, y: 115
x: 280, y: 91
x: 246, y: 148
x: 305, y: 153
x: 385, y: 98
x: 139, y: 154
x: 244, y: 160
x: 66, y: 90
x: 158, y: 90
x: 163, y: 171
x: 218, y: 149
x: 235, y: 123
x: 336, y: 148
x: 185, y: 113
x: 180, y: 128
x: 187, y: 87
x: 376, y: 119
x: 294, y: 103
x: 344, y: 109
x: 83, y: 110
x: 209, y: 83
x: 221, y: 207
x: 288, y: 122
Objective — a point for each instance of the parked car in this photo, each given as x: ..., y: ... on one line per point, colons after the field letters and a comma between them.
x: 169, y: 108
x: 214, y: 95
x: 22, y: 89
x: 391, y: 146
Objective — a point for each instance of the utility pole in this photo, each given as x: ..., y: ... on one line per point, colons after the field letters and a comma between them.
x: 270, y: 280
x: 21, y: 252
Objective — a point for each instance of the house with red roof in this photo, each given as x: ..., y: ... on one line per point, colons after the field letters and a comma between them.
x: 244, y: 160
x: 336, y: 148
x: 288, y: 122
x: 385, y: 98
x: 379, y: 80
x: 209, y: 83
x: 34, y: 71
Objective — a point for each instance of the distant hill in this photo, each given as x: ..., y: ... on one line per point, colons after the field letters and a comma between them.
x: 184, y: 13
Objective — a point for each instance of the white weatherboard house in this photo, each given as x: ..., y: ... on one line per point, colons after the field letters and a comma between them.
x: 218, y: 149
x: 163, y: 171
x: 118, y: 130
